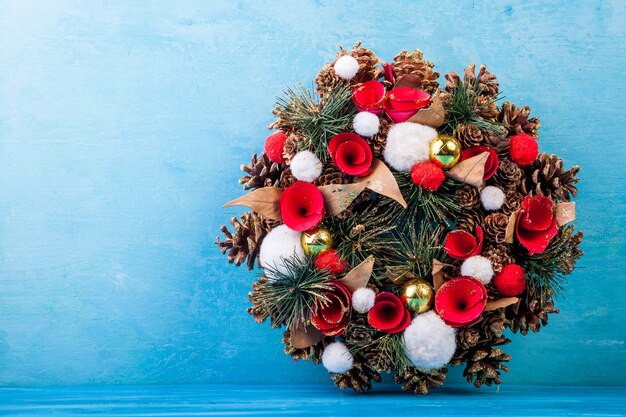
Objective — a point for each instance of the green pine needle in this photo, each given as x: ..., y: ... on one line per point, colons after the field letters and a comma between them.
x: 440, y: 206
x: 464, y: 108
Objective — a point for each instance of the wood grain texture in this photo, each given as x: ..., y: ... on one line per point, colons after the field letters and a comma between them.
x: 319, y: 401
x: 122, y: 127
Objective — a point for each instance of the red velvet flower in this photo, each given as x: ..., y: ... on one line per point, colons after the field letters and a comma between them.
x: 461, y: 245
x: 274, y: 146
x: 302, y: 206
x: 402, y: 103
x: 461, y: 301
x: 536, y: 223
x: 369, y: 96
x: 351, y: 153
x: 492, y: 160
x: 330, y: 261
x: 389, y: 314
x: 332, y: 317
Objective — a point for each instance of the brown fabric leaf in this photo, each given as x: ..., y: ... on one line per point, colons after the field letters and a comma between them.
x: 432, y: 116
x: 382, y: 181
x: 302, y: 336
x: 565, y: 213
x: 264, y: 201
x: 470, y: 171
x: 337, y: 197
x: 510, y: 228
x: 502, y: 302
x: 437, y: 274
x: 399, y: 278
x: 359, y: 276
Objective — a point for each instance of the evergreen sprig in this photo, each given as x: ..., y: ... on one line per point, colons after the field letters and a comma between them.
x: 290, y: 296
x: 464, y: 108
x: 417, y: 250
x: 315, y: 120
x: 392, y: 346
x: 440, y: 206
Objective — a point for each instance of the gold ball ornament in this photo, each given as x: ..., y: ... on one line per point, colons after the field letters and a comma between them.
x: 316, y: 240
x: 418, y: 295
x: 445, y: 151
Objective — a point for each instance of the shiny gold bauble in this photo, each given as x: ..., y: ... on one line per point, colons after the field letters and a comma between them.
x: 418, y: 295
x: 445, y: 151
x: 316, y: 240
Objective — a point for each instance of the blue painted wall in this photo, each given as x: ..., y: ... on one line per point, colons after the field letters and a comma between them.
x: 122, y: 127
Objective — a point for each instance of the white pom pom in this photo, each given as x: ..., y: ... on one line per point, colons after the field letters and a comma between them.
x: 305, y: 166
x: 492, y: 197
x: 366, y: 124
x: 363, y: 299
x: 279, y: 244
x: 478, y: 267
x: 408, y: 144
x: 430, y: 343
x: 346, y: 67
x: 336, y: 358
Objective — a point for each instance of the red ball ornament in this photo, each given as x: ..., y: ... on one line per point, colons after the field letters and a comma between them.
x: 428, y: 176
x: 274, y: 145
x: 524, y: 149
x: 330, y: 261
x: 511, y: 281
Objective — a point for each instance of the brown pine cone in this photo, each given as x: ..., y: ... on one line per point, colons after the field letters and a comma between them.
x: 287, y: 179
x: 499, y: 255
x: 292, y: 146
x: 261, y: 172
x: 359, y: 378
x: 486, y: 83
x: 468, y: 219
x: 469, y: 135
x: 508, y: 175
x: 257, y: 310
x: 529, y: 314
x: 379, y: 140
x: 497, y: 140
x: 327, y: 79
x: 245, y: 242
x: 547, y: 177
x: 494, y: 226
x: 516, y: 120
x: 512, y: 202
x: 483, y: 365
x: 467, y: 337
x: 331, y: 175
x: 377, y: 358
x: 414, y: 63
x: 420, y: 382
x: 359, y: 333
x: 487, y: 108
x: 312, y: 352
x: 573, y: 252
x: 467, y: 196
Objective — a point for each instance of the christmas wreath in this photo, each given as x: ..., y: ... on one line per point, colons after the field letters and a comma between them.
x: 402, y: 227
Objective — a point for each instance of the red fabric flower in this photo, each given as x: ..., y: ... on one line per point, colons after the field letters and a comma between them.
x: 332, y: 317
x: 330, y: 261
x: 461, y: 245
x: 302, y: 206
x: 536, y: 223
x: 274, y: 146
x: 402, y: 103
x: 511, y: 281
x: 523, y: 149
x: 389, y: 314
x: 351, y: 153
x: 428, y: 176
x: 492, y: 160
x: 369, y: 96
x: 388, y: 72
x: 461, y: 301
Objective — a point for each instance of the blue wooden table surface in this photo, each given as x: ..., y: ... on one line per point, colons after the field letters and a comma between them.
x: 229, y: 400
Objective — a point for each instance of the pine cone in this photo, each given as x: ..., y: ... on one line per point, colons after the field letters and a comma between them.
x: 499, y: 255
x: 312, y: 352
x: 359, y: 332
x: 379, y: 140
x: 467, y: 337
x: 486, y: 83
x: 292, y: 146
x: 468, y: 220
x: 359, y: 377
x: 467, y: 196
x: 261, y: 172
x: 414, y: 63
x: 287, y: 179
x: 494, y: 226
x: 327, y: 79
x: 512, y: 202
x: 516, y: 120
x: 469, y: 135
x: 529, y: 314
x: 245, y: 242
x: 418, y: 381
x: 487, y: 108
x: 547, y: 177
x: 573, y: 252
x: 331, y: 175
x: 484, y: 365
x: 508, y: 175
x: 497, y: 140
x: 257, y: 311
x: 377, y: 358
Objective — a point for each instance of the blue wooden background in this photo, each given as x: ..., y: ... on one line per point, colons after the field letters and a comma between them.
x: 122, y: 127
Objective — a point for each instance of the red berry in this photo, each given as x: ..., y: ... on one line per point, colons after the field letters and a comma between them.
x: 274, y: 146
x: 428, y: 176
x: 524, y: 149
x: 331, y: 262
x: 511, y: 281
